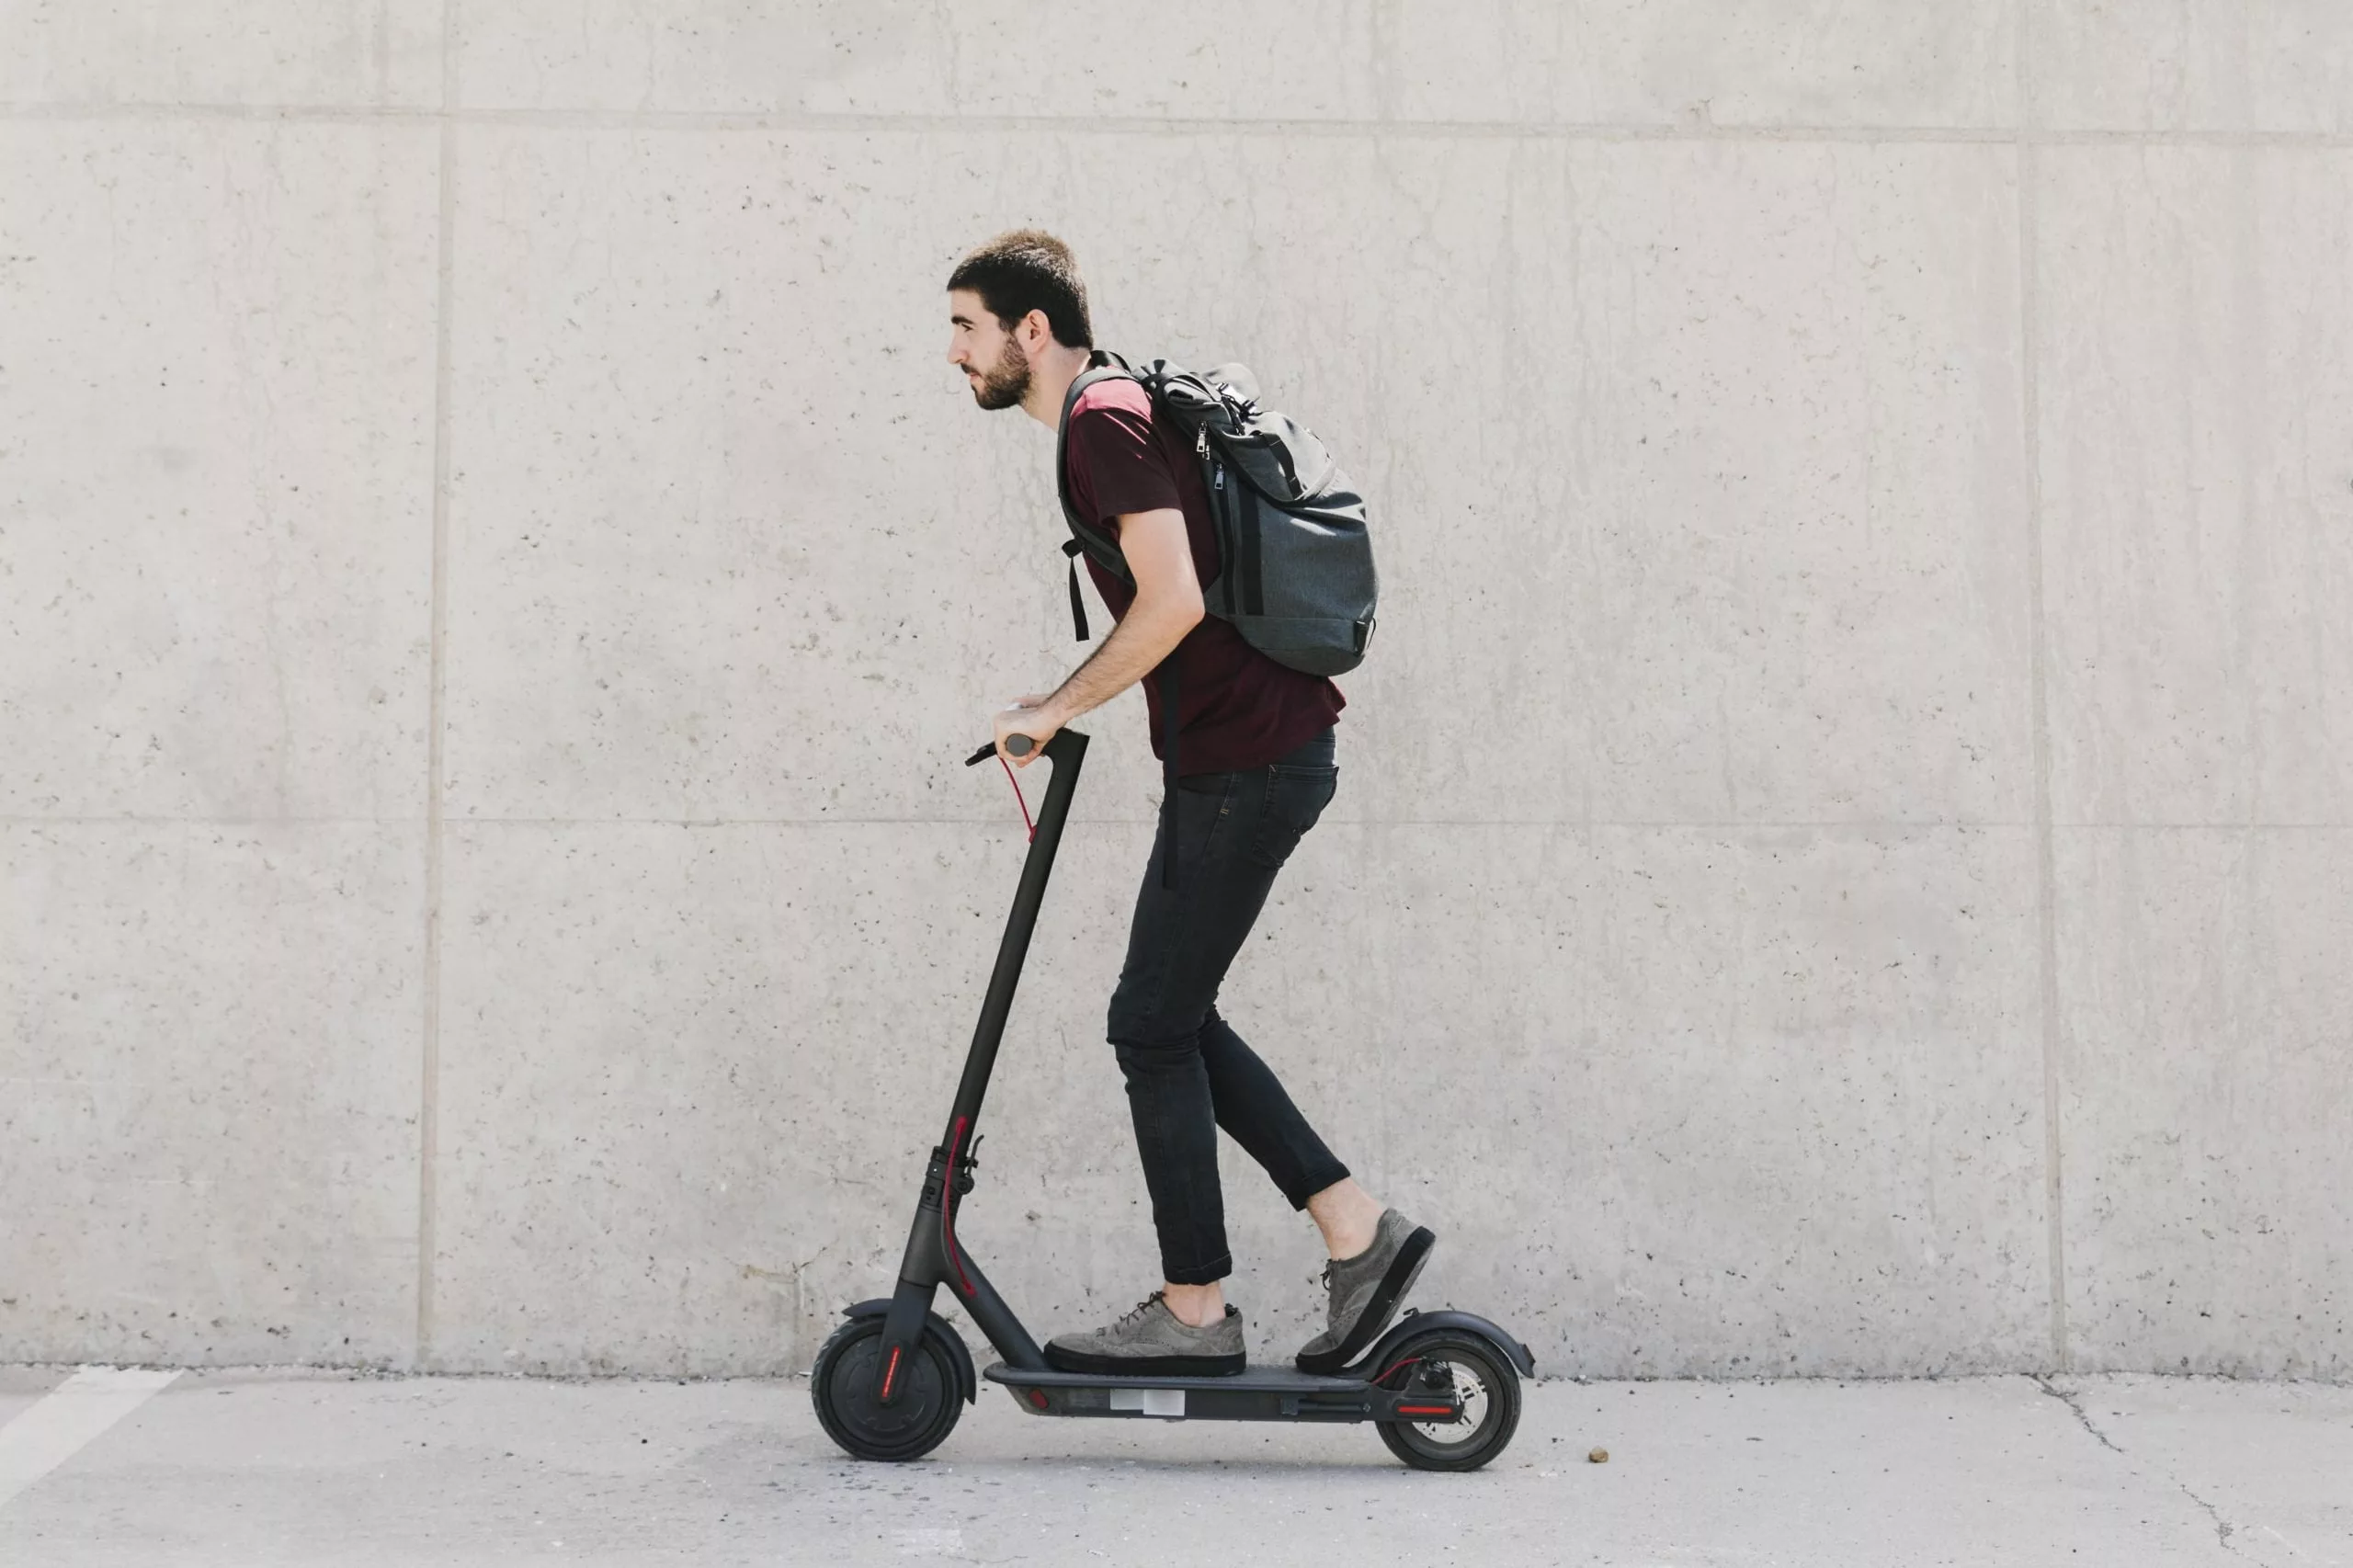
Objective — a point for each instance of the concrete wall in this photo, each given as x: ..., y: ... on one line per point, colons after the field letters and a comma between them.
x: 1843, y: 860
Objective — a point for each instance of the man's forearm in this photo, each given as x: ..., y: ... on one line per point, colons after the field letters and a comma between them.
x: 1139, y: 641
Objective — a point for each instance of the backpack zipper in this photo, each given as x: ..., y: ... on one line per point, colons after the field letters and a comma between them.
x: 1201, y: 446
x: 1201, y: 450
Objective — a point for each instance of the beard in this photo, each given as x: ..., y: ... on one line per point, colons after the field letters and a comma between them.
x: 1008, y: 382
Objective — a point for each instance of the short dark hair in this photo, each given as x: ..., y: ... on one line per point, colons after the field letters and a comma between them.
x: 1024, y: 270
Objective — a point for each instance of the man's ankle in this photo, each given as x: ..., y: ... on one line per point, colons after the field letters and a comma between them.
x: 1349, y: 1216
x: 1197, y: 1306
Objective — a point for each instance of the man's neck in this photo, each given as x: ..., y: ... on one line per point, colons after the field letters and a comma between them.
x: 1051, y: 374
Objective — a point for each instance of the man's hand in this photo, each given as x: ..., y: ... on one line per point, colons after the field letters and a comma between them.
x: 1029, y: 716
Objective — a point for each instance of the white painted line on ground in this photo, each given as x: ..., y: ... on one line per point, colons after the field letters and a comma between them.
x: 75, y: 1415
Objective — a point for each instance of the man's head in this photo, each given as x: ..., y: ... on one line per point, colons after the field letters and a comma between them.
x: 1014, y: 299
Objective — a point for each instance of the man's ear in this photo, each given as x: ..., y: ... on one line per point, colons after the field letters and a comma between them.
x: 1034, y: 332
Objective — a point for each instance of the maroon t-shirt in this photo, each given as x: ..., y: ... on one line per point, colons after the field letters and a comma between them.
x: 1239, y: 708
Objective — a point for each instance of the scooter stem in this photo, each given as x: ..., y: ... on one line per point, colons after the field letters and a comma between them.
x: 933, y: 1257
x: 1067, y: 751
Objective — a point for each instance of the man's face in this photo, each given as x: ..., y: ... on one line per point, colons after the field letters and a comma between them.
x: 990, y: 356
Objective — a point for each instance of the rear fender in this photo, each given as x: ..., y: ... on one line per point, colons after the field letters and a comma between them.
x: 1376, y: 1361
x: 968, y: 1382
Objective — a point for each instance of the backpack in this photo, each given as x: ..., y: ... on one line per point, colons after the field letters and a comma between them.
x: 1295, y: 574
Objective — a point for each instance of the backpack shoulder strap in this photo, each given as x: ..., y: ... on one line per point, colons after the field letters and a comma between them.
x: 1102, y: 366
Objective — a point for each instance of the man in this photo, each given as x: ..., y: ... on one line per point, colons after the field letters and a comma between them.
x: 1255, y: 743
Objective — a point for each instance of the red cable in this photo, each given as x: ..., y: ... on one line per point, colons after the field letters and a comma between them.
x: 1016, y: 795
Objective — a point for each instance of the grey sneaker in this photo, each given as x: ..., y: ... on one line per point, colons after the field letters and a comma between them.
x: 1150, y: 1342
x: 1367, y: 1291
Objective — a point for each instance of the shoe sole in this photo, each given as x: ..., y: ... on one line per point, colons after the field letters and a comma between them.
x: 1380, y: 1311
x: 1063, y: 1361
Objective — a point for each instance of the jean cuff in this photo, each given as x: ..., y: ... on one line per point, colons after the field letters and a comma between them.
x: 1314, y: 1181
x: 1200, y: 1273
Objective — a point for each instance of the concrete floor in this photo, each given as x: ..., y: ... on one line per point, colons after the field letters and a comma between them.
x: 271, y: 1467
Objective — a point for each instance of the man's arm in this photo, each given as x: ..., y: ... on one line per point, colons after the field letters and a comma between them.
x: 1168, y: 605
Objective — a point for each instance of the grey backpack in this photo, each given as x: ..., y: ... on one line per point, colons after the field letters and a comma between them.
x: 1295, y: 562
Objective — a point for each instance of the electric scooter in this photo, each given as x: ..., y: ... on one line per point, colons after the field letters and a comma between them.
x: 1441, y: 1388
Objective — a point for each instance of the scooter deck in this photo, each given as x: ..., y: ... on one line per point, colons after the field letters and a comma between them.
x: 1255, y: 1393
x: 1283, y: 1380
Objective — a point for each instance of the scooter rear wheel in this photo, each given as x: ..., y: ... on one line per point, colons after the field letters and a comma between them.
x: 842, y: 1387
x: 1482, y: 1376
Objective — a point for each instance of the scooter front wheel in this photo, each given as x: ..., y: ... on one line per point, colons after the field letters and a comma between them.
x: 842, y: 1387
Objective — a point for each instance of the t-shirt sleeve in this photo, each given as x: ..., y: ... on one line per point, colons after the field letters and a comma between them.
x: 1117, y: 467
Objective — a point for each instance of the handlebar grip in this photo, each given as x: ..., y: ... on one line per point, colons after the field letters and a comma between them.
x: 1020, y: 745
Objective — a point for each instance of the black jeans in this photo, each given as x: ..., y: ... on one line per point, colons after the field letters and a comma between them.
x: 1189, y: 1074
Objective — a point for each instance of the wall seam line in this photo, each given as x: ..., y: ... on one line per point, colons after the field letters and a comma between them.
x: 1007, y: 124
x: 429, y: 1066
x: 2037, y: 683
